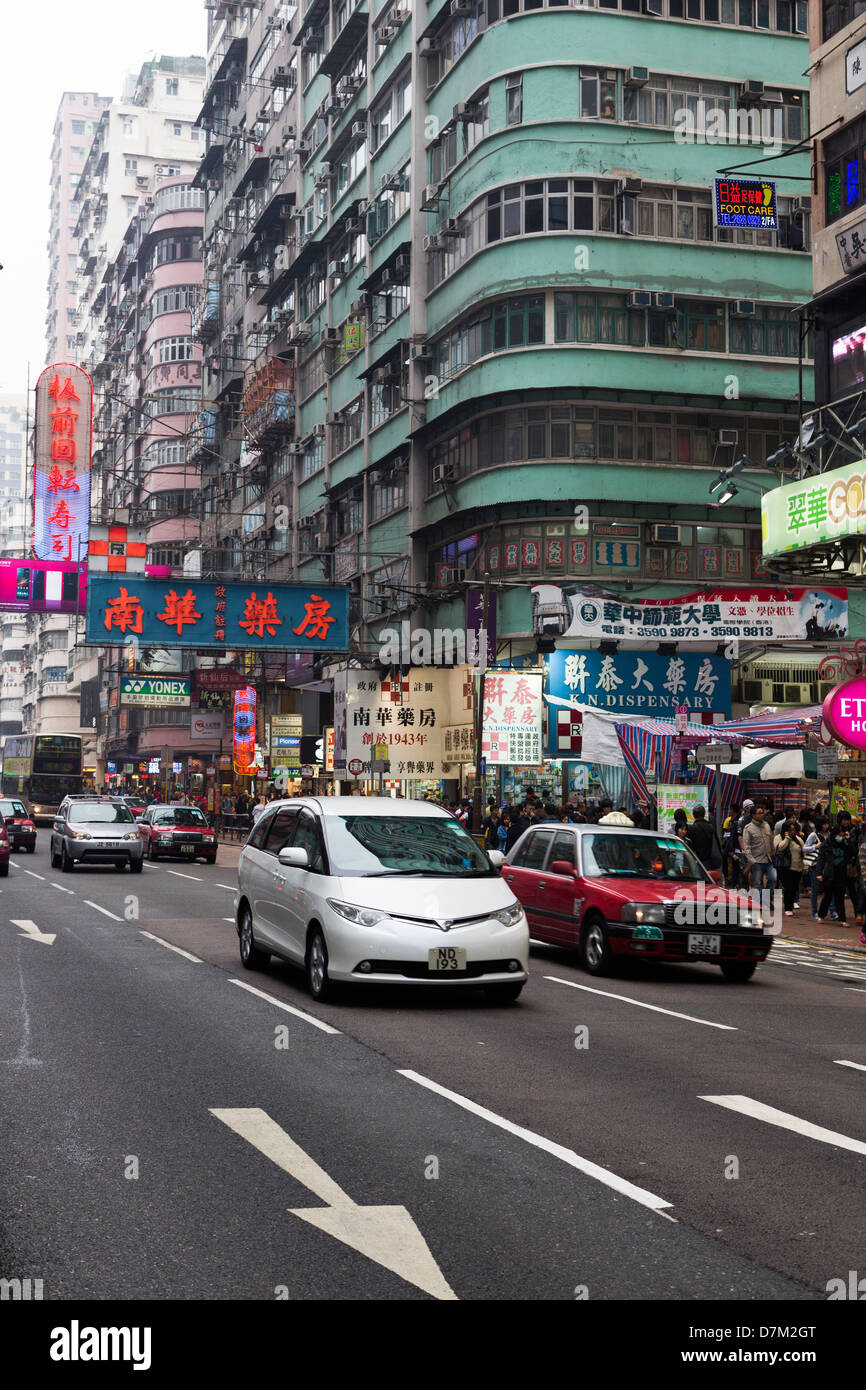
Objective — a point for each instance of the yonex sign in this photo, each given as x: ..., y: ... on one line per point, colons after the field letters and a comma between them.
x: 155, y: 692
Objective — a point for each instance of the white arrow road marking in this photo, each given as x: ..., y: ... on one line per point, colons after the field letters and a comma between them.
x: 584, y: 1165
x: 281, y: 1004
x: 624, y: 999
x: 186, y: 954
x: 387, y: 1235
x: 858, y: 1066
x: 771, y: 1116
x: 30, y: 930
x: 104, y: 910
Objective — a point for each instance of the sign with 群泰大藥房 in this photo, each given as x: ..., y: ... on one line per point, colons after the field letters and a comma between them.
x: 185, y: 612
x: 61, y: 463
x: 640, y: 682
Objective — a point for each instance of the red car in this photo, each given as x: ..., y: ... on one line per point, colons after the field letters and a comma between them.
x: 178, y: 832
x: 614, y: 892
x: 5, y: 852
x: 20, y: 829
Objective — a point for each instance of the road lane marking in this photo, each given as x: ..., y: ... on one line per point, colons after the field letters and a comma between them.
x: 229, y: 919
x: 32, y: 932
x: 855, y: 990
x: 639, y: 1003
x: 32, y: 875
x: 177, y: 874
x: 385, y: 1234
x: 771, y: 1116
x: 574, y: 1160
x: 858, y: 1066
x: 186, y: 954
x: 232, y: 887
x: 61, y: 889
x: 104, y: 910
x: 281, y: 1004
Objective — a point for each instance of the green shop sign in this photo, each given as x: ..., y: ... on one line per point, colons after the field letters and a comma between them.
x: 155, y: 692
x: 814, y: 510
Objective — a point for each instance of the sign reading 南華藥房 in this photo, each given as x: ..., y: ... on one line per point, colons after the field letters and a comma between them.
x: 814, y: 510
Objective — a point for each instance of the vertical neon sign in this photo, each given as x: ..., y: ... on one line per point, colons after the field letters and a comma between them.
x: 244, y: 732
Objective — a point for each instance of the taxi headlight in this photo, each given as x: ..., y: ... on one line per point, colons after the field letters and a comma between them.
x: 643, y: 913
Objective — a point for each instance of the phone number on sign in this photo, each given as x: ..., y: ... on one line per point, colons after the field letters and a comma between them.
x: 664, y: 633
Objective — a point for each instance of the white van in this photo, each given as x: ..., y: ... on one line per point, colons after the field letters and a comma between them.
x: 373, y: 890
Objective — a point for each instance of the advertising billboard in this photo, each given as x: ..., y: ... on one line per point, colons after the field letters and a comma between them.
x: 824, y: 507
x: 61, y: 463
x: 155, y: 692
x: 42, y: 586
x: 194, y: 613
x: 745, y: 203
x: 244, y: 731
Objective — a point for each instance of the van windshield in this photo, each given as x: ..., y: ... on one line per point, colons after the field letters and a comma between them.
x: 384, y: 846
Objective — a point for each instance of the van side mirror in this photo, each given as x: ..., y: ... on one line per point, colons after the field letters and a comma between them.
x: 293, y: 858
x: 496, y: 857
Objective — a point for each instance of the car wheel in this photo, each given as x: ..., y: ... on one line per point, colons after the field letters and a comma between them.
x: 738, y: 971
x: 251, y: 957
x: 136, y: 865
x: 55, y: 857
x: 595, y: 948
x: 31, y: 849
x: 210, y: 858
x: 150, y: 854
x: 504, y: 994
x: 65, y: 861
x: 119, y: 868
x: 316, y: 966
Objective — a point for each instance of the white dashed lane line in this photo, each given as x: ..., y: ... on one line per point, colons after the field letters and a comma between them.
x: 639, y: 1003
x: 104, y: 910
x: 858, y: 1066
x: 178, y: 874
x: 281, y: 1004
x: 756, y: 1110
x: 61, y: 889
x: 32, y: 875
x: 187, y: 955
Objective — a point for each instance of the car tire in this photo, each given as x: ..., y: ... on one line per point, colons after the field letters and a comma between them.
x: 31, y: 849
x: 65, y: 861
x: 738, y: 971
x: 55, y: 857
x: 595, y: 953
x: 316, y: 967
x: 210, y: 859
x: 136, y: 865
x: 119, y: 868
x: 150, y: 854
x: 251, y: 957
x: 504, y: 994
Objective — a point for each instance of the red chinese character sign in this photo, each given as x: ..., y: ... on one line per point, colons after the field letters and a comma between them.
x: 61, y: 474
x: 244, y: 732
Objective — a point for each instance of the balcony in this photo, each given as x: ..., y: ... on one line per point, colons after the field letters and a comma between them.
x: 269, y: 401
x: 206, y: 314
x: 202, y: 435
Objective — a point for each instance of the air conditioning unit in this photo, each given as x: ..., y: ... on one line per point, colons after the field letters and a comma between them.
x: 429, y: 197
x: 385, y: 33
x: 331, y: 335
x: 751, y: 93
x: 326, y: 168
x: 354, y: 226
x: 302, y: 148
x: 454, y: 575
x: 463, y: 111
x: 385, y: 280
x: 296, y: 447
x: 639, y: 299
x: 359, y: 130
x: 306, y: 523
x: 337, y: 270
x: 433, y: 243
x: 772, y: 97
x: 743, y: 308
x: 728, y: 438
x: 460, y: 8
x: 288, y: 134
x: 426, y: 47
x: 420, y: 352
x: 141, y: 181
x: 358, y: 306
x: 665, y: 533
x: 333, y: 417
x: 403, y: 264
x: 637, y: 77
x: 160, y: 169
x: 321, y: 540
x: 453, y: 227
x: 395, y: 17
x: 442, y: 473
x: 283, y: 76
x: 663, y: 301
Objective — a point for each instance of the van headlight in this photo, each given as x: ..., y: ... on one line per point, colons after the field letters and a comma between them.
x: 361, y: 916
x: 509, y: 916
x: 80, y: 835
x: 132, y: 835
x: 643, y: 913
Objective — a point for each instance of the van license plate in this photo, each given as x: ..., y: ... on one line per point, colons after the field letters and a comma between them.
x: 443, y: 959
x: 705, y: 945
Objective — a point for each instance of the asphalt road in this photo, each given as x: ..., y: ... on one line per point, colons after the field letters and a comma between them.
x: 530, y: 1160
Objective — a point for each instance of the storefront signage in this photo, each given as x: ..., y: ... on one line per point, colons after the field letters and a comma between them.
x: 844, y: 712
x: 712, y: 615
x: 851, y: 245
x: 286, y: 738
x: 328, y: 736
x: 458, y: 743
x: 207, y: 728
x: 814, y: 510
x: 745, y: 203
x: 855, y: 66
x: 220, y: 678
x: 844, y: 798
x: 192, y: 613
x: 408, y: 712
x: 244, y: 732
x: 670, y: 798
x: 155, y: 692
x: 513, y: 706
x: 641, y: 682
x: 61, y: 463
x: 477, y: 620
x: 42, y: 586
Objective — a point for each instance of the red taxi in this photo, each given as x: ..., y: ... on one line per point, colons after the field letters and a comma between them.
x: 177, y: 832
x: 20, y: 829
x: 613, y: 892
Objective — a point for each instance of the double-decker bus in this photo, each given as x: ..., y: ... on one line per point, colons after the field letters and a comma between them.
x: 42, y: 769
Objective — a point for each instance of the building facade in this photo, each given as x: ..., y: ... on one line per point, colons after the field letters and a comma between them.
x: 13, y: 541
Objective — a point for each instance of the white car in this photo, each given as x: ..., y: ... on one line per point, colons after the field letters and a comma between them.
x: 380, y: 891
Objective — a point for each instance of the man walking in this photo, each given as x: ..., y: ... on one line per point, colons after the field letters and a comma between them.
x: 757, y: 842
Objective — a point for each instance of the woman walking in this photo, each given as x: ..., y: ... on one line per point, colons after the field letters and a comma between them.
x: 788, y: 859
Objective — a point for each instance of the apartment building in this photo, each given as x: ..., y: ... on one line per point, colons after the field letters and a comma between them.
x: 13, y: 540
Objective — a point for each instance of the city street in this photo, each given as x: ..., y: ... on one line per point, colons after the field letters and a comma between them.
x: 177, y: 1128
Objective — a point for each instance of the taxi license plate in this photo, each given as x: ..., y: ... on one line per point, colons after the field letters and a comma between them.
x: 445, y: 959
x: 187, y: 849
x: 705, y: 945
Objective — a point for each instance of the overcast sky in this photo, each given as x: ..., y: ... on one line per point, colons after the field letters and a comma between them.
x: 50, y: 47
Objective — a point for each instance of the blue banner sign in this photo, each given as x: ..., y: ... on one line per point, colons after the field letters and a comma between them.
x: 184, y: 612
x: 641, y: 682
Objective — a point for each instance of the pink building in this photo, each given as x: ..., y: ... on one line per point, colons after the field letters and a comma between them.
x: 77, y: 117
